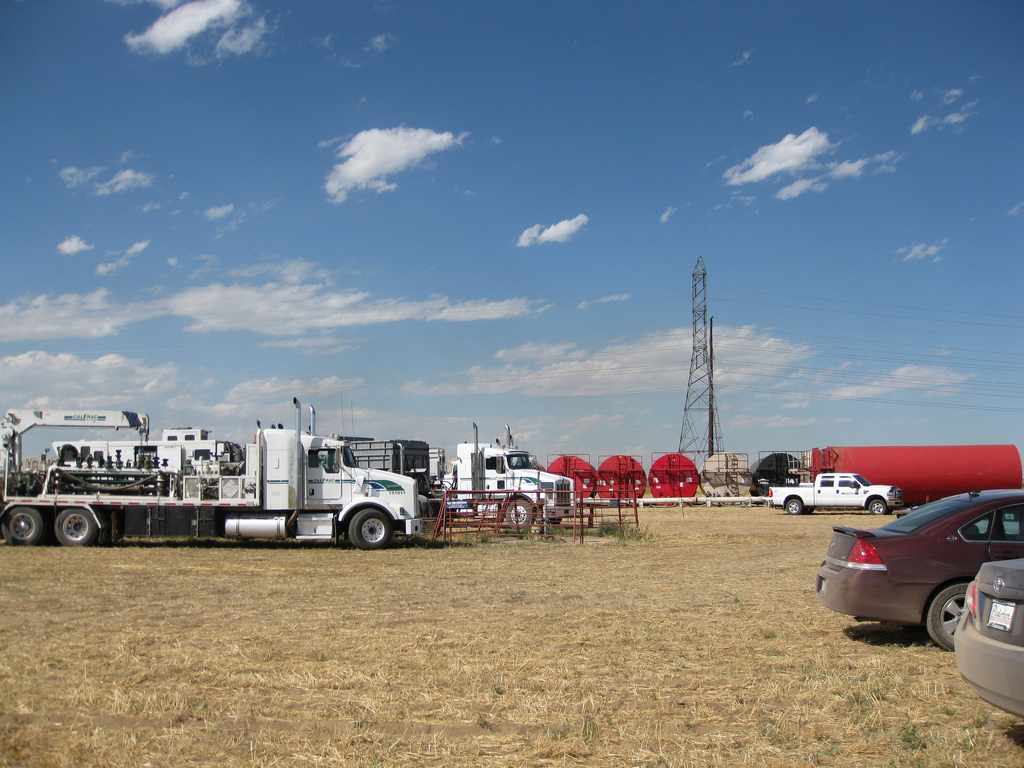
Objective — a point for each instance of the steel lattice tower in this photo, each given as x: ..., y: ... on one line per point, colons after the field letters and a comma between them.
x: 701, y: 434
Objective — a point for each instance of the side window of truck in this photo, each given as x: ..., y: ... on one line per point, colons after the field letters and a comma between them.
x: 827, y: 482
x: 325, y: 459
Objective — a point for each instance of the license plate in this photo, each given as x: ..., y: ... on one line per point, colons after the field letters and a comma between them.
x: 1001, y: 615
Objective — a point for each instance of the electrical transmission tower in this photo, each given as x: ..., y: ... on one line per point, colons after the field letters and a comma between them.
x: 701, y: 433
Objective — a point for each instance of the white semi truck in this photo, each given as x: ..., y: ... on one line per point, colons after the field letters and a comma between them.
x: 286, y: 484
x: 538, y: 496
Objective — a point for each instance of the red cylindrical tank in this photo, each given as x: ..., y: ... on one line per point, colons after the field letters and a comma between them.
x: 621, y: 477
x: 673, y: 475
x: 926, y: 472
x: 581, y: 471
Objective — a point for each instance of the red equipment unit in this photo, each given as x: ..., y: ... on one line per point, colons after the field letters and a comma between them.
x: 581, y: 471
x: 926, y: 472
x: 621, y: 477
x: 673, y: 475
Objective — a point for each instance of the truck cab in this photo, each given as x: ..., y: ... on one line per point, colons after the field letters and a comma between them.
x: 510, y: 470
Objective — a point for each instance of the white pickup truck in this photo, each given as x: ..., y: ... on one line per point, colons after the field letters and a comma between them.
x: 836, y: 491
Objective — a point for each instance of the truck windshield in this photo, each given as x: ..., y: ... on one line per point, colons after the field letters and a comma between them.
x: 348, y: 458
x: 519, y: 461
x: 862, y: 480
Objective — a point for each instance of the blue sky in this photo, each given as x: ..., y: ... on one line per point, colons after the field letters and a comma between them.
x: 419, y: 215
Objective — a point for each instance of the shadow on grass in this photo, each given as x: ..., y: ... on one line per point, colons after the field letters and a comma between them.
x: 400, y: 542
x: 888, y: 634
x: 1015, y: 733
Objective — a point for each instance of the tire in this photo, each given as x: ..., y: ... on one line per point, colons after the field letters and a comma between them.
x: 878, y: 507
x: 944, y: 614
x: 76, y: 528
x: 25, y: 527
x: 794, y: 506
x: 519, y: 514
x: 371, y: 529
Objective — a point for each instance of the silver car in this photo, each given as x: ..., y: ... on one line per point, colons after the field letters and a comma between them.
x: 990, y: 637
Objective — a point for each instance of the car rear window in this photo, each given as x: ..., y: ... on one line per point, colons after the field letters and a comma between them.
x: 927, y: 514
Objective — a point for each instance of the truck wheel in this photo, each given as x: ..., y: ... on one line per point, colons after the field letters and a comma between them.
x: 794, y: 506
x: 878, y: 507
x: 24, y: 526
x: 944, y: 614
x: 370, y: 529
x: 520, y: 514
x: 76, y: 528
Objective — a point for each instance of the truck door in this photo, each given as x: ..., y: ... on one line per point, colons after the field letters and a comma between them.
x: 847, y: 492
x: 323, y: 477
x: 495, y: 474
x: 825, y: 491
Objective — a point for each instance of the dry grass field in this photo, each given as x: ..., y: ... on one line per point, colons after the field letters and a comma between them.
x: 699, y: 642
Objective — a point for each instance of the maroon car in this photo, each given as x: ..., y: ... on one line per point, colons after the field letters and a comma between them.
x: 915, y: 570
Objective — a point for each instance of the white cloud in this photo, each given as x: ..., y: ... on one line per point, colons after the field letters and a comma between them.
x: 292, y: 300
x: 379, y: 44
x: 73, y: 244
x: 922, y: 251
x: 799, y: 155
x: 373, y: 155
x: 280, y: 309
x: 921, y: 124
x: 744, y: 58
x: 124, y: 181
x: 76, y: 177
x: 88, y: 316
x: 614, y: 299
x: 1016, y: 209
x: 930, y: 380
x: 811, y: 98
x: 117, y: 265
x: 37, y: 379
x: 800, y: 186
x: 952, y: 95
x: 791, y: 155
x: 848, y: 168
x: 953, y: 119
x: 562, y: 232
x: 182, y: 23
x: 212, y: 214
x: 667, y: 214
x: 242, y: 39
x: 274, y: 387
x: 653, y: 363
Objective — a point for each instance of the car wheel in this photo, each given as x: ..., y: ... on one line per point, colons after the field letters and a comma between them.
x: 24, y: 526
x: 944, y: 614
x: 76, y: 528
x: 519, y: 515
x: 794, y: 506
x: 370, y: 529
x: 878, y: 507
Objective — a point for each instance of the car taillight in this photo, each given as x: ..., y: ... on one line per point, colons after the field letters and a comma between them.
x: 770, y: 494
x: 971, y: 604
x: 863, y: 555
